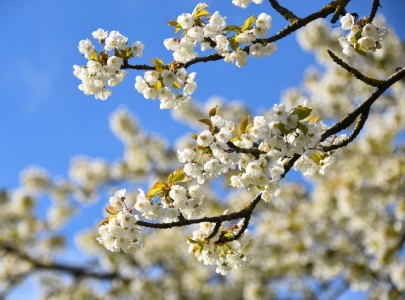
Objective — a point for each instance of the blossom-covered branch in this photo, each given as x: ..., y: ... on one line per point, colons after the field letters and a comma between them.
x: 347, y: 120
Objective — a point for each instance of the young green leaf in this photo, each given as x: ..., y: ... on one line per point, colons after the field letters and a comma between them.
x: 314, y: 119
x: 233, y: 43
x: 243, y: 124
x: 302, y: 112
x: 106, y: 220
x: 232, y: 28
x: 200, y: 6
x: 202, y: 12
x: 213, y: 111
x: 176, y: 85
x: 206, y: 122
x: 172, y: 23
x: 282, y: 129
x: 248, y: 23
x: 155, y: 189
x: 303, y: 128
x: 178, y: 176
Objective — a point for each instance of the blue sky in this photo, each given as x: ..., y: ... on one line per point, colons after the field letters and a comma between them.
x: 46, y: 120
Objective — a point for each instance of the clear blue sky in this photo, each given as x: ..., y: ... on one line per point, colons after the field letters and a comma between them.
x: 46, y: 120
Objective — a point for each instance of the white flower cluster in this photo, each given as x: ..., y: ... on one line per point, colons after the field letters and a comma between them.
x: 104, y: 69
x: 362, y: 38
x: 177, y: 199
x: 214, y: 30
x: 173, y: 89
x: 245, y: 3
x: 285, y: 135
x: 224, y: 255
x: 120, y: 232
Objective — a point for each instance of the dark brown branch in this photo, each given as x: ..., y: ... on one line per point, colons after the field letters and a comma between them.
x: 224, y: 239
x: 287, y: 14
x: 290, y: 163
x: 347, y: 120
x: 236, y: 149
x: 215, y: 231
x: 340, y: 11
x: 323, y: 13
x: 367, y: 80
x: 246, y: 212
x: 75, y: 271
x: 212, y: 57
x: 374, y: 8
x: 126, y: 65
x: 359, y: 126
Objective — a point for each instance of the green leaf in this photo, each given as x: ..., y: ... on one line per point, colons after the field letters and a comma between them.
x: 193, y: 241
x: 249, y: 22
x: 202, y: 12
x: 213, y: 111
x: 206, y: 121
x: 228, y: 234
x: 233, y: 43
x: 243, y: 124
x: 155, y: 189
x: 178, y: 28
x: 194, y: 136
x: 317, y: 157
x: 314, y: 119
x: 249, y: 127
x: 282, y: 129
x: 110, y: 210
x: 303, y: 128
x: 359, y: 49
x: 176, y: 85
x: 302, y: 112
x: 200, y: 6
x: 158, y: 85
x: 159, y: 62
x: 93, y: 55
x: 172, y: 23
x: 234, y: 139
x: 178, y: 176
x: 106, y: 220
x: 232, y: 28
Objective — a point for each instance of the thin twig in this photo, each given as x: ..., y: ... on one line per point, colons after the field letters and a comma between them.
x: 374, y: 8
x: 215, y: 231
x: 355, y: 72
x: 287, y: 14
x: 245, y: 225
x: 359, y: 126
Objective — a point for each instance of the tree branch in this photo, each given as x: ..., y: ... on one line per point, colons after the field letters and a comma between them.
x: 246, y: 212
x: 367, y: 80
x: 224, y: 239
x: 374, y: 8
x: 74, y: 271
x: 359, y: 126
x: 215, y: 231
x: 236, y: 149
x: 347, y: 120
x: 287, y: 14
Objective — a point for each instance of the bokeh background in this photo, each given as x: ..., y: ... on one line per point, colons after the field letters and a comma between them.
x: 46, y: 120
